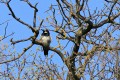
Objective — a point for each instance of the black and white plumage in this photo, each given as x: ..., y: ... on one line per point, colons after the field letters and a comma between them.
x: 46, y: 40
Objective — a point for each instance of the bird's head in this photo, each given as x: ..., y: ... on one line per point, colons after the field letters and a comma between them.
x: 45, y: 32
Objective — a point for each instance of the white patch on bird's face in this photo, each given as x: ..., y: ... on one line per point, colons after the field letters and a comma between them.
x: 45, y: 32
x: 46, y: 40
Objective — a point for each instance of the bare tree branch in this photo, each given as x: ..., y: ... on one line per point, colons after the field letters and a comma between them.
x: 35, y: 11
x: 15, y: 58
x: 18, y: 19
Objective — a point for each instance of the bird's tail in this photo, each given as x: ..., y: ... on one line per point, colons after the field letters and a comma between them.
x: 45, y: 51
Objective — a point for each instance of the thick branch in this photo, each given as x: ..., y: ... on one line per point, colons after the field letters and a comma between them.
x: 58, y: 52
x: 89, y: 56
x: 110, y: 20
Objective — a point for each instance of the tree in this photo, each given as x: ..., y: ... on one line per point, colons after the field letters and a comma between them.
x: 91, y: 38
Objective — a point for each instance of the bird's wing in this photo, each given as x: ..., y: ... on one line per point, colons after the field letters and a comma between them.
x: 49, y: 39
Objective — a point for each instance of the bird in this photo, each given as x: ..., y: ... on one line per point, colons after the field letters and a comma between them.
x: 46, y: 40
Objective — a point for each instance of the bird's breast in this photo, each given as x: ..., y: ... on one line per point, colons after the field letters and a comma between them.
x: 46, y: 40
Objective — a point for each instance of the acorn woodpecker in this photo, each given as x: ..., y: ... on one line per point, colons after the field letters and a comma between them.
x: 46, y: 40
